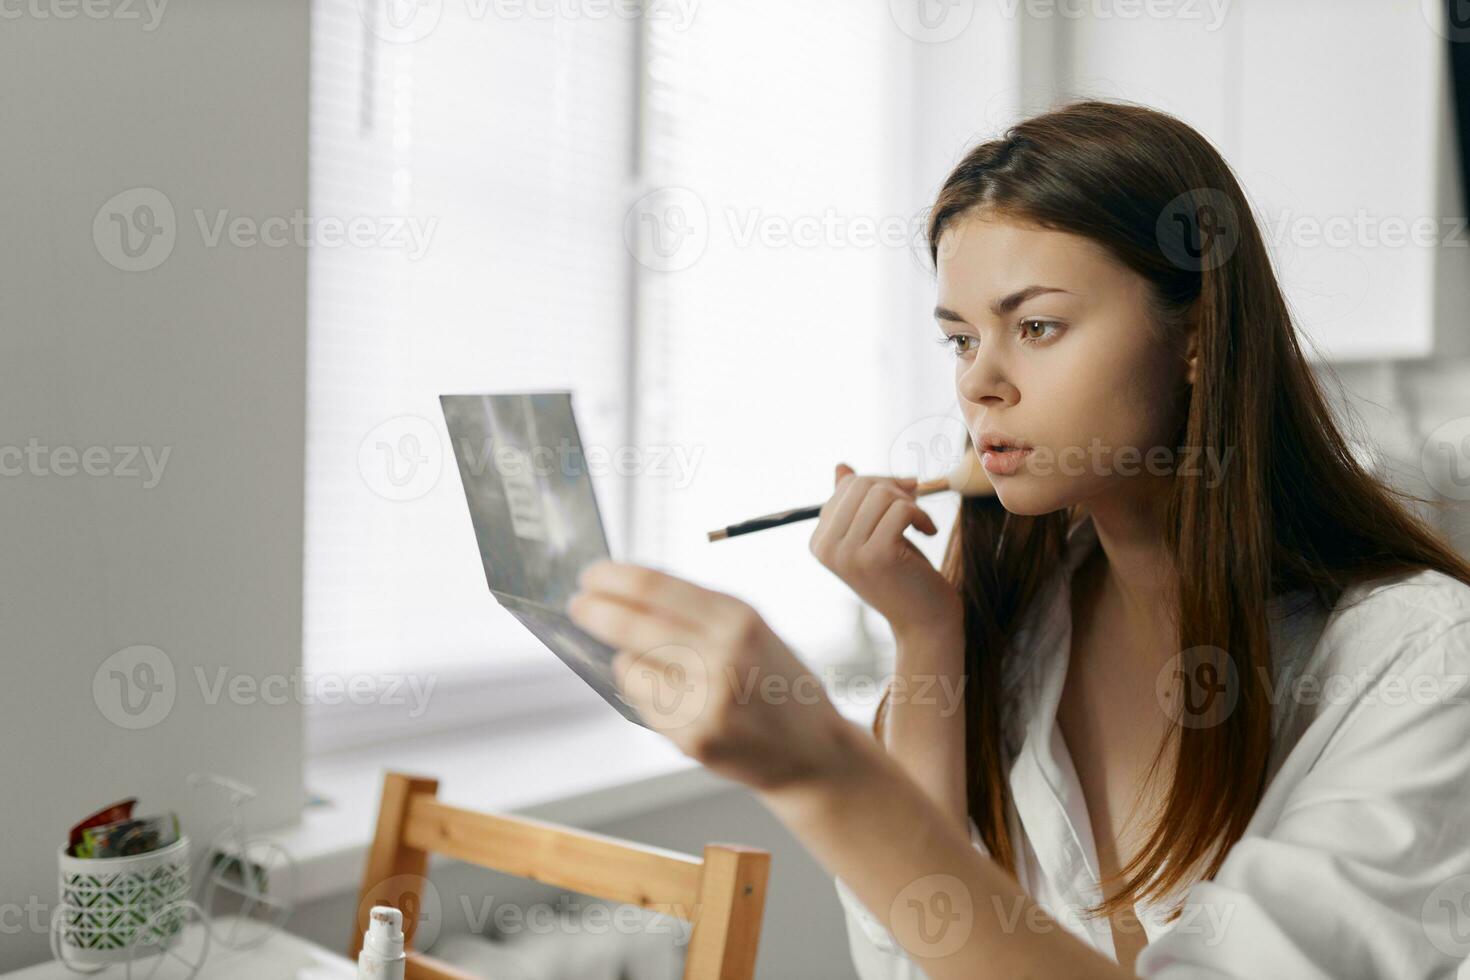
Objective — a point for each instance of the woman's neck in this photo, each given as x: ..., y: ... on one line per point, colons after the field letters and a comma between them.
x: 1132, y: 572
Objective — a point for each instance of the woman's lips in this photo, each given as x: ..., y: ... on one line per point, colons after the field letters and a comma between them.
x: 1003, y: 463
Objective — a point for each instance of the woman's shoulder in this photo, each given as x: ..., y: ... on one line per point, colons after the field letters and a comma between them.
x: 1392, y: 619
x: 1406, y: 636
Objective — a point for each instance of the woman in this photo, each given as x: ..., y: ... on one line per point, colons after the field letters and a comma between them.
x: 1214, y: 720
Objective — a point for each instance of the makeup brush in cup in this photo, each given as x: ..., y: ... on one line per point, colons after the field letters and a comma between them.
x: 968, y: 478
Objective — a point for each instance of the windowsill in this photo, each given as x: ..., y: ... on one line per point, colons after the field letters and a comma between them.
x: 582, y: 770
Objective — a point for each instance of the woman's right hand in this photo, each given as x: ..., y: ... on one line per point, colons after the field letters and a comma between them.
x: 860, y: 538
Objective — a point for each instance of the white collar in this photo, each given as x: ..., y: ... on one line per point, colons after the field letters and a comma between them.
x: 1044, y: 786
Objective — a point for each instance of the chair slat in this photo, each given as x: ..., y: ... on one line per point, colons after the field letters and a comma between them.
x: 723, y: 894
x: 421, y: 966
x: 649, y: 877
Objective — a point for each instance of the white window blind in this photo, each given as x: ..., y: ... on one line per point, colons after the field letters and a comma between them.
x: 513, y: 137
x: 776, y: 137
x: 742, y: 377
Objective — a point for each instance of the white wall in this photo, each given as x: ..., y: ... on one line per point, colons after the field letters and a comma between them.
x: 202, y: 356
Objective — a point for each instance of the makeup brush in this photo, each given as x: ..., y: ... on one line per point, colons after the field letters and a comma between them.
x: 968, y: 478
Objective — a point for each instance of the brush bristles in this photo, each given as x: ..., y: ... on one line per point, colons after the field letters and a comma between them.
x: 969, y: 478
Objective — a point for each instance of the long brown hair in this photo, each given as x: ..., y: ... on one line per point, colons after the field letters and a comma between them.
x: 1294, y: 510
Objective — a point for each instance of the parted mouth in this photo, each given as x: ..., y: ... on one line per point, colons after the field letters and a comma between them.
x: 1000, y: 442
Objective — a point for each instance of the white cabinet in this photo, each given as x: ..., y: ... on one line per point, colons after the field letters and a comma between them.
x: 1335, y: 117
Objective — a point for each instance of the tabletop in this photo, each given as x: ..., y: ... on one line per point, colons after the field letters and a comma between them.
x: 281, y: 957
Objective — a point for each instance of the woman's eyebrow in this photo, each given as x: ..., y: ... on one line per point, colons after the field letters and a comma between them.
x: 1001, y: 306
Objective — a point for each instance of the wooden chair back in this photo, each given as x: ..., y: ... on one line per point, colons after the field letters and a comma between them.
x: 722, y: 894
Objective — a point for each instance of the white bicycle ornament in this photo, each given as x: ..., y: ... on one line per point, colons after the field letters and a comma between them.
x: 134, y: 910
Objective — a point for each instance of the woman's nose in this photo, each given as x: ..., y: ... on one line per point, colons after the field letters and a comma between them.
x: 984, y: 383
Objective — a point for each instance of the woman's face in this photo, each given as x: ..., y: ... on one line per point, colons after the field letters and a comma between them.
x: 1055, y: 348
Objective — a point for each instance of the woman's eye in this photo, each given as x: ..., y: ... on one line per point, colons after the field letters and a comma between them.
x: 959, y: 343
x: 1037, y: 338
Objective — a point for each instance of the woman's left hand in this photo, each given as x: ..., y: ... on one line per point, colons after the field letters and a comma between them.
x: 705, y: 670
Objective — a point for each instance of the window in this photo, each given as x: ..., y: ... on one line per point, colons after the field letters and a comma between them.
x: 690, y: 222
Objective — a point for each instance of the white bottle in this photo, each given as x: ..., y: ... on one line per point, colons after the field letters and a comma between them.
x: 382, y: 956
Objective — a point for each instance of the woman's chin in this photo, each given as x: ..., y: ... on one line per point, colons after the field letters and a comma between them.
x: 1026, y: 496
